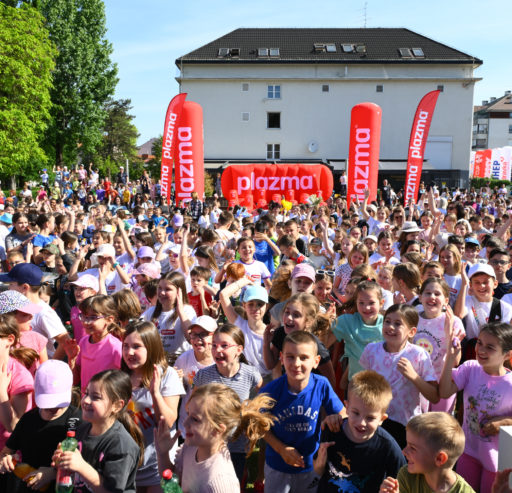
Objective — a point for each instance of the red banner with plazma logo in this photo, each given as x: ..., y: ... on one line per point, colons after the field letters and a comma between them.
x: 417, y: 142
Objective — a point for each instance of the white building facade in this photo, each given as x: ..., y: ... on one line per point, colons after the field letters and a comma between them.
x: 492, y: 123
x: 295, y: 106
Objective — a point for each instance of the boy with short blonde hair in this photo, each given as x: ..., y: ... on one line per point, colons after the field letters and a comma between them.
x: 434, y: 443
x: 361, y: 454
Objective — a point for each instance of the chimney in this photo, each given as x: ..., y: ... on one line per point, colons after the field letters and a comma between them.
x: 493, y: 98
x: 485, y: 102
x: 507, y: 93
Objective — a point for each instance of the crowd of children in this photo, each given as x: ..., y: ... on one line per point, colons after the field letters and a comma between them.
x: 349, y: 347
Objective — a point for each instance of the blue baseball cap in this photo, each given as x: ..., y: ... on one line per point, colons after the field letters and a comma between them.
x: 473, y: 241
x: 23, y: 274
x: 256, y: 293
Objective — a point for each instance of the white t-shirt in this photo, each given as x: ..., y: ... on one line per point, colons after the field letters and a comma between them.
x: 376, y: 257
x: 171, y: 333
x: 478, y: 314
x: 48, y: 323
x: 454, y: 283
x: 253, y: 349
x: 113, y: 282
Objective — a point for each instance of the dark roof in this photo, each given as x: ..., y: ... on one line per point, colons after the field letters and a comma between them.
x: 296, y: 45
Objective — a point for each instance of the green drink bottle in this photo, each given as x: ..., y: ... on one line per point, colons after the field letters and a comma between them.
x: 170, y: 483
x: 64, y: 481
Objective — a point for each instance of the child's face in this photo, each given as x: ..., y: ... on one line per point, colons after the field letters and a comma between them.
x: 369, y: 305
x: 433, y: 300
x: 96, y: 325
x: 198, y: 429
x: 489, y: 353
x: 482, y: 286
x: 447, y: 259
x: 23, y: 320
x: 197, y: 282
x: 371, y: 245
x: 167, y: 294
x: 82, y: 293
x: 384, y: 278
x: 432, y: 272
x: 96, y: 406
x: 315, y: 249
x: 420, y: 457
x: 174, y: 261
x: 362, y: 420
x: 299, y: 360
x: 294, y: 318
x: 160, y: 236
x: 322, y: 289
x: 396, y: 332
x: 118, y: 245
x: 201, y: 340
x: 301, y: 285
x: 385, y: 245
x: 357, y: 258
x: 500, y: 264
x: 426, y: 222
x: 178, y: 237
x: 255, y: 309
x: 246, y: 250
x: 346, y: 246
x: 135, y: 353
x: 470, y: 253
x: 225, y: 350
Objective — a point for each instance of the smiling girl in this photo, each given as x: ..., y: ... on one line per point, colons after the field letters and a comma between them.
x: 172, y: 314
x: 405, y: 366
x: 156, y: 391
x: 357, y: 256
x: 231, y: 369
x: 450, y: 259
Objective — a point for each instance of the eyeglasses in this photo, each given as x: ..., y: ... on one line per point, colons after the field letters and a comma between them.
x: 499, y: 262
x: 89, y: 320
x: 223, y: 347
x: 329, y: 273
x: 202, y: 336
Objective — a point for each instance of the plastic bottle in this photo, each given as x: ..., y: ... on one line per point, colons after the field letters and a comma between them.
x: 170, y: 483
x: 64, y: 481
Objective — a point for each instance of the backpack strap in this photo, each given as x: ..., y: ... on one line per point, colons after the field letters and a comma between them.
x: 495, y: 313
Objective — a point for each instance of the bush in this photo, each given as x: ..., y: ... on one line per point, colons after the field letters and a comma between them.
x: 482, y: 182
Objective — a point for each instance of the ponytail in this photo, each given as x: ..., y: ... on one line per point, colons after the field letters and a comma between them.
x: 9, y: 326
x: 125, y: 418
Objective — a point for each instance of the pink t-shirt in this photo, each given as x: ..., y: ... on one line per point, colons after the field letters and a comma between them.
x: 430, y: 336
x: 406, y: 401
x: 35, y: 341
x: 21, y: 382
x: 78, y: 327
x: 485, y: 397
x: 99, y: 356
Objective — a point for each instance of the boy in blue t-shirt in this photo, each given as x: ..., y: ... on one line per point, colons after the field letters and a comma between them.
x: 295, y: 436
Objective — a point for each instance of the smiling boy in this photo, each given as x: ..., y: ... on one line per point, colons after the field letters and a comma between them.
x: 361, y: 454
x: 295, y: 436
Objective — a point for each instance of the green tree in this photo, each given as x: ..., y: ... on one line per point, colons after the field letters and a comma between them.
x: 84, y: 77
x: 155, y: 164
x: 26, y: 62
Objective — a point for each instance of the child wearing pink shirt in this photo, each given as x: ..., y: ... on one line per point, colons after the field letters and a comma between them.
x: 84, y: 287
x: 100, y: 349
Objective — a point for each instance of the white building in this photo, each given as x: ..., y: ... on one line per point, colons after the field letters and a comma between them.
x: 286, y: 95
x: 492, y: 123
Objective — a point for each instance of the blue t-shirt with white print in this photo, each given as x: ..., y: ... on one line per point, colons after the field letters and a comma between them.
x: 298, y: 419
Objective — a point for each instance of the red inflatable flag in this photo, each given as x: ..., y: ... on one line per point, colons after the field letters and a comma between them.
x: 363, y: 154
x: 189, y: 153
x: 417, y: 142
x: 172, y: 120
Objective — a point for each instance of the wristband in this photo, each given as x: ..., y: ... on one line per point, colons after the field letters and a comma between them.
x: 116, y: 264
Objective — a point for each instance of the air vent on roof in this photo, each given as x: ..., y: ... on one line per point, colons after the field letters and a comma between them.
x: 418, y: 52
x: 405, y: 52
x: 493, y: 98
x: 347, y: 48
x: 274, y: 51
x: 262, y: 51
x: 223, y: 52
x: 234, y: 52
x: 330, y: 48
x: 361, y: 48
x: 507, y: 93
x: 318, y: 47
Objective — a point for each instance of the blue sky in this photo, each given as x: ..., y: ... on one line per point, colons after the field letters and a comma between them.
x: 149, y: 35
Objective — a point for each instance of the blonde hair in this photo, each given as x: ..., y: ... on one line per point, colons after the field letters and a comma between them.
x: 280, y: 289
x: 441, y: 432
x: 222, y: 406
x: 456, y: 254
x: 128, y: 306
x: 372, y: 388
x: 319, y: 324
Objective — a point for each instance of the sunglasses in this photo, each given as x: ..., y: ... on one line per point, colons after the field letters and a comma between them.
x: 329, y: 273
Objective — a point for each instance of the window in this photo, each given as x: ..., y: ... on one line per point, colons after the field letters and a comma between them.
x: 273, y: 120
x: 361, y: 48
x: 245, y: 86
x: 418, y: 52
x: 405, y: 52
x: 234, y: 52
x: 273, y: 92
x: 245, y: 116
x: 318, y: 47
x: 510, y: 129
x: 274, y: 51
x: 223, y: 52
x: 325, y: 88
x: 347, y: 48
x: 482, y: 128
x: 379, y: 88
x: 330, y: 48
x: 440, y: 88
x: 273, y: 151
x: 262, y: 51
x: 481, y: 143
